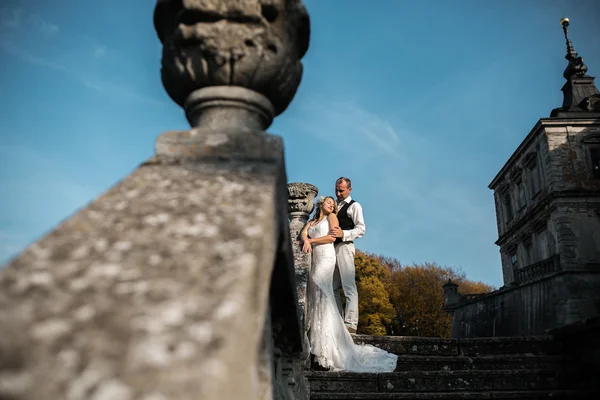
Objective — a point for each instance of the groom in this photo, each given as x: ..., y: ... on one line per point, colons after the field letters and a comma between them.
x: 352, y: 226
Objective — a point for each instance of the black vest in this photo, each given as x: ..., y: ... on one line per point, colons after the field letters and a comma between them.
x: 346, y: 222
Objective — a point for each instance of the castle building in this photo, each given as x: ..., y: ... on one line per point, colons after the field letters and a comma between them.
x: 547, y: 200
x: 547, y: 195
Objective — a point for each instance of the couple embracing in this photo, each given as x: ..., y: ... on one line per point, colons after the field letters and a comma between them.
x: 329, y: 236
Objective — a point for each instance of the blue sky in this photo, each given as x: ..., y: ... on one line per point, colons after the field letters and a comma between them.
x: 418, y: 102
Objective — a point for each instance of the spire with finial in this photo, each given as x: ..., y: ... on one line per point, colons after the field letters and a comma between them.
x: 576, y: 66
x: 580, y: 93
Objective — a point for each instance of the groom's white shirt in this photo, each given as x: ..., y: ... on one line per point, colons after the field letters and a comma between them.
x: 355, y: 212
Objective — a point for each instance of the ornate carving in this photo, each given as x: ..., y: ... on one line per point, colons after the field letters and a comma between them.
x: 256, y: 44
x: 302, y: 196
x: 301, y: 203
x: 591, y: 103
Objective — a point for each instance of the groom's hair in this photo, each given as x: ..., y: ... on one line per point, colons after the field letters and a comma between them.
x: 344, y: 179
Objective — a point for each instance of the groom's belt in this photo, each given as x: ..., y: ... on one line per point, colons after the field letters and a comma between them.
x: 346, y: 242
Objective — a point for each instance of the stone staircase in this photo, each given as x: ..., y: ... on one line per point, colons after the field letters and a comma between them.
x: 480, y: 368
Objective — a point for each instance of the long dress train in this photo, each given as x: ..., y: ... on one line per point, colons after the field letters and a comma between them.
x: 330, y: 341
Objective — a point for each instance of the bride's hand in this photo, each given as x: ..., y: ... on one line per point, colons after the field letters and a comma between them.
x: 306, y: 247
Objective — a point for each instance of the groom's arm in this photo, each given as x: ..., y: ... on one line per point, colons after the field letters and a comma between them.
x: 355, y: 212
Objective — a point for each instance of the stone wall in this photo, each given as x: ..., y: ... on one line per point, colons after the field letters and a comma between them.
x: 531, y: 308
x: 567, y: 158
x: 581, y: 343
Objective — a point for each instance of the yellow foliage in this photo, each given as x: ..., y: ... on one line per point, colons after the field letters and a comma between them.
x: 405, y: 300
x: 375, y: 309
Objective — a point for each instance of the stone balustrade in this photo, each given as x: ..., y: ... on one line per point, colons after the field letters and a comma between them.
x: 538, y: 269
x: 179, y: 281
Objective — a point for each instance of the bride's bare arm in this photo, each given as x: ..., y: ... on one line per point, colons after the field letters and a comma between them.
x: 304, y: 232
x: 333, y: 221
x: 306, y: 247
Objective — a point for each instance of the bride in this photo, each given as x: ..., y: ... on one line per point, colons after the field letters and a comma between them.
x: 330, y: 341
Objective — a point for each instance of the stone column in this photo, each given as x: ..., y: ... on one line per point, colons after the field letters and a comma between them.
x: 301, y: 204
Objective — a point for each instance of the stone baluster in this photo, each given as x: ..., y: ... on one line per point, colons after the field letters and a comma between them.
x: 301, y: 204
x: 162, y: 287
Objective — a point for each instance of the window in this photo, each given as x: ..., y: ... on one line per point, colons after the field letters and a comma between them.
x: 522, y: 198
x: 513, y: 259
x: 543, y: 250
x: 507, y: 207
x: 595, y: 158
x: 535, y: 180
x: 528, y: 252
x: 534, y: 176
x: 520, y: 201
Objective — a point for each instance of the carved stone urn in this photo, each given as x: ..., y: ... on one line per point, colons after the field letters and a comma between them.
x: 256, y: 45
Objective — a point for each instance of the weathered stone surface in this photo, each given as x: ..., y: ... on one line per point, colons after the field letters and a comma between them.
x: 467, y: 380
x: 342, y: 382
x: 256, y: 44
x: 530, y: 308
x: 434, y: 381
x: 300, y: 203
x: 461, y: 395
x: 502, y: 368
x: 445, y: 363
x: 508, y: 345
x: 139, y: 293
x: 411, y: 345
x: 403, y: 396
x: 301, y: 198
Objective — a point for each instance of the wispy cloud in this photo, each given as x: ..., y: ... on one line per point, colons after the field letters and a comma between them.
x: 42, y: 26
x: 32, y: 59
x: 407, y: 165
x: 88, y: 81
x: 11, y: 18
x: 15, y: 20
x: 418, y: 205
x: 99, y: 51
x: 348, y: 126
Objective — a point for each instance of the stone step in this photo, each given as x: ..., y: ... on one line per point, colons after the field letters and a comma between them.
x: 436, y: 381
x: 493, y: 362
x: 500, y: 395
x: 426, y: 346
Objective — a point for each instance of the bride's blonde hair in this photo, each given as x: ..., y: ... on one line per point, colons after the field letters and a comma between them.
x: 320, y: 202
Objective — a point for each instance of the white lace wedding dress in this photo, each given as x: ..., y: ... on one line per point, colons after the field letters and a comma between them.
x: 330, y: 341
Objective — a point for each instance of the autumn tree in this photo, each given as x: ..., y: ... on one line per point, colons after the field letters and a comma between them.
x: 375, y: 310
x: 405, y: 300
x: 417, y: 296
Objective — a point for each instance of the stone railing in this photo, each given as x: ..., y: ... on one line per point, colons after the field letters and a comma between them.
x: 538, y: 269
x: 179, y: 281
